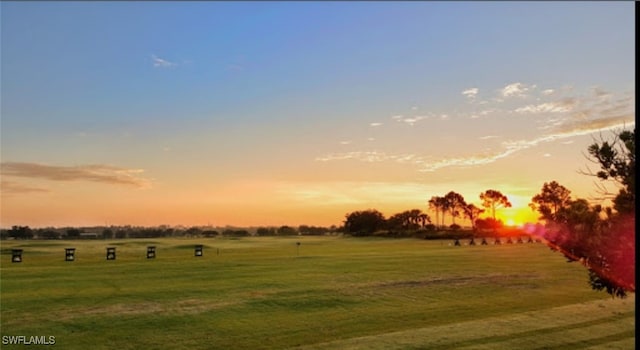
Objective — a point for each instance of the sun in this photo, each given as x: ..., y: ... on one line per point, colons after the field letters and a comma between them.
x: 518, y: 215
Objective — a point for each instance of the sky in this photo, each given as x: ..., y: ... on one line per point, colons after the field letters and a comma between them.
x: 291, y: 113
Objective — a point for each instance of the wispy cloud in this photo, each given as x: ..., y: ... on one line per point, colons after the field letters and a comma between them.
x: 564, y: 105
x: 511, y: 147
x: 515, y: 90
x: 375, y: 124
x: 408, y: 120
x: 161, y: 63
x: 470, y: 93
x: 427, y: 164
x: 364, y: 156
x: 11, y: 187
x: 583, y: 127
x: 96, y: 173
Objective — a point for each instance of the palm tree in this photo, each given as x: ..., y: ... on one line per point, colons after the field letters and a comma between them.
x: 472, y: 212
x: 424, y: 219
x: 436, y: 203
x: 455, y: 202
x: 414, y: 216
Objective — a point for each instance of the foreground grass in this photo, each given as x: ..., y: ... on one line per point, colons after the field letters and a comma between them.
x: 337, y: 293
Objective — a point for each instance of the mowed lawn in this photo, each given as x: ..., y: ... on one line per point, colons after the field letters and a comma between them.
x: 327, y: 293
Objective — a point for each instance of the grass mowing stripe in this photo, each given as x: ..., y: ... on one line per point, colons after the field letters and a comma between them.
x: 580, y: 333
x: 529, y: 336
x: 617, y: 344
x: 503, y: 328
x: 599, y: 341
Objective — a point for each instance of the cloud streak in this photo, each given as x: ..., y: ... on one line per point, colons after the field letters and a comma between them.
x: 564, y: 105
x: 161, y: 63
x: 425, y: 164
x: 11, y: 187
x: 408, y: 120
x: 94, y: 173
x: 563, y: 132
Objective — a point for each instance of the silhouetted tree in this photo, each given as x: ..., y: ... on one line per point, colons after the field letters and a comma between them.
x: 617, y: 161
x: 439, y: 204
x: 73, y: 233
x: 312, y: 230
x: 20, y: 232
x: 210, y: 233
x: 397, y: 222
x: 492, y: 199
x: 364, y: 222
x: 408, y: 220
x: 121, y: 233
x: 489, y: 224
x: 472, y: 212
x: 193, y: 232
x: 455, y: 204
x: 552, y: 198
x: 235, y: 233
x: 287, y: 231
x: 49, y: 234
x: 107, y: 233
x: 579, y: 216
x: 266, y: 231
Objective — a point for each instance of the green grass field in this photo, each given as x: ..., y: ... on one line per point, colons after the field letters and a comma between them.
x: 338, y: 293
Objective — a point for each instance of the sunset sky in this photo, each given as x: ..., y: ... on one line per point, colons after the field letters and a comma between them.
x: 274, y: 113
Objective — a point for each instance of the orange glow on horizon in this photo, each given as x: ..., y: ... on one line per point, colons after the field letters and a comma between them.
x: 519, y: 214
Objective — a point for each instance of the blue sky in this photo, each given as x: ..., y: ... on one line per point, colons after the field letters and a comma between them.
x: 330, y: 93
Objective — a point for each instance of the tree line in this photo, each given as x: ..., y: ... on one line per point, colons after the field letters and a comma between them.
x: 415, y: 222
x: 121, y: 232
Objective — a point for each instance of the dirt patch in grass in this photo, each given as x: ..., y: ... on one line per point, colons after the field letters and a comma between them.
x: 179, y: 307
